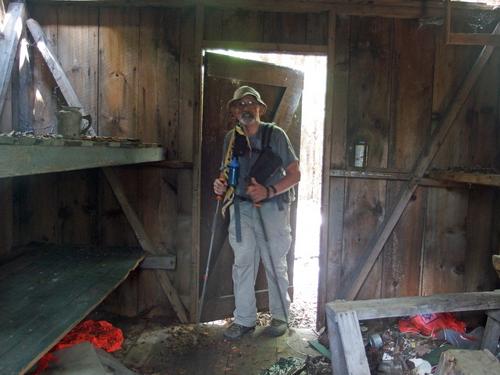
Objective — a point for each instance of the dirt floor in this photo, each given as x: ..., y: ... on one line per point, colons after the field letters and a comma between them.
x: 153, y: 348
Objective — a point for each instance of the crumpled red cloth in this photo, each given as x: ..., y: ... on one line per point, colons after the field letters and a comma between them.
x: 430, y: 324
x: 101, y: 334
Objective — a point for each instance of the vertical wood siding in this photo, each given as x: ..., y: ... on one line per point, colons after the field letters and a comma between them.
x: 134, y: 70
x: 411, y: 101
x: 400, y: 76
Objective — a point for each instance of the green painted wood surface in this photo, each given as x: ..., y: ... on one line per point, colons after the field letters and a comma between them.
x: 21, y: 160
x: 46, y: 292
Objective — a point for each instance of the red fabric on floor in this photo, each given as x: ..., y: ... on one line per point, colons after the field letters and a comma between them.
x: 101, y: 334
x: 430, y: 324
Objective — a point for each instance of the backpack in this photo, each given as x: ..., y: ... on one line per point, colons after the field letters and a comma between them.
x: 267, y: 162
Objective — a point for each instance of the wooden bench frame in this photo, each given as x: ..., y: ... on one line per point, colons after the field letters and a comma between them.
x: 346, y: 342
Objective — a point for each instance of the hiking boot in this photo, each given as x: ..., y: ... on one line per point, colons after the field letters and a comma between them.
x: 236, y: 331
x: 276, y: 328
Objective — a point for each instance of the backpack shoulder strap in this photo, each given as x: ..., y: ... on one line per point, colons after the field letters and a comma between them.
x: 267, y: 130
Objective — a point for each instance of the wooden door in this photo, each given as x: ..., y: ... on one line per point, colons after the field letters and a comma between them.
x: 281, y: 90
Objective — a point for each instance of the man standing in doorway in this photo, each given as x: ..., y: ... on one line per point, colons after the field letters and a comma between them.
x: 260, y: 169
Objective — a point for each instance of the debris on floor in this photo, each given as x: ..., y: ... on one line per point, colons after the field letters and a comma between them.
x: 285, y: 366
x: 296, y: 366
x: 100, y: 334
x: 157, y: 343
x: 415, y: 345
x: 85, y: 359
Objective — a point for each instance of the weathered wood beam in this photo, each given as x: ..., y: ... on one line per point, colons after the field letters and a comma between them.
x: 197, y: 140
x: 11, y: 35
x: 288, y: 105
x: 354, y: 280
x: 382, y: 8
x: 491, y: 331
x: 487, y: 179
x: 249, y: 70
x: 310, y: 49
x: 404, y: 306
x: 333, y: 122
x: 20, y: 160
x: 146, y: 243
x: 22, y: 85
x: 393, y: 175
x: 55, y: 67
x: 476, y: 39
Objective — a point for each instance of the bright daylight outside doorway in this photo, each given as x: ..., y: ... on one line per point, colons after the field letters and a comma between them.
x: 306, y: 265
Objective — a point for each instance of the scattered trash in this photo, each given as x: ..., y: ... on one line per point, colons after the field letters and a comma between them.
x: 376, y: 341
x: 471, y: 340
x: 414, y: 345
x: 320, y: 348
x: 433, y: 356
x: 317, y: 366
x: 295, y: 366
x: 422, y: 367
x: 285, y: 366
x: 390, y: 367
x: 387, y: 357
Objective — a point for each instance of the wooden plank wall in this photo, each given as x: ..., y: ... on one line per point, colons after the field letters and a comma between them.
x: 269, y: 27
x: 134, y: 70
x: 401, y: 76
x: 124, y: 63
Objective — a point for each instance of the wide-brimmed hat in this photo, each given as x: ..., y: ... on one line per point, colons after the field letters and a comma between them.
x: 242, y: 91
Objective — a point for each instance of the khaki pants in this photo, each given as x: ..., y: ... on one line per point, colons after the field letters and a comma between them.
x: 251, y: 249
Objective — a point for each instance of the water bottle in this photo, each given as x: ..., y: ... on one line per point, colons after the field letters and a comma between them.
x: 234, y: 172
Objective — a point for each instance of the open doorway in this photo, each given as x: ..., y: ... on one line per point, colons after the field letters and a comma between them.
x: 306, y: 260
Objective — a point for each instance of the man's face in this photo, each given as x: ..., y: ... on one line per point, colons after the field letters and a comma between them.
x: 247, y: 110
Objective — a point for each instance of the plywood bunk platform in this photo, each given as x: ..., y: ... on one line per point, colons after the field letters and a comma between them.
x: 45, y: 292
x: 28, y: 155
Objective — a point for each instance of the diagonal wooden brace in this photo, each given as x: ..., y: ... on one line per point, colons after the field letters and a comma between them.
x: 145, y: 242
x: 56, y: 69
x: 354, y: 281
x: 11, y: 35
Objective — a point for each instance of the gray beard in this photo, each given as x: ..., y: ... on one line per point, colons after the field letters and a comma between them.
x: 246, y: 118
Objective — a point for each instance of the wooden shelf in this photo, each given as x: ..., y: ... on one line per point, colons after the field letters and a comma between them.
x: 47, y: 291
x: 477, y: 178
x: 60, y: 155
